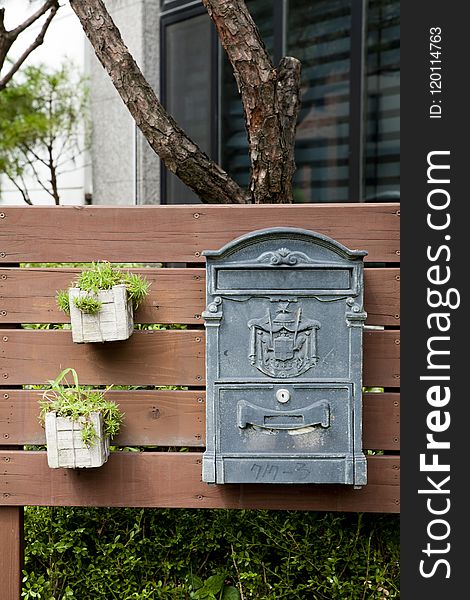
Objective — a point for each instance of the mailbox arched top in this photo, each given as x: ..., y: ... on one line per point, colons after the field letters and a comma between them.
x: 285, y: 234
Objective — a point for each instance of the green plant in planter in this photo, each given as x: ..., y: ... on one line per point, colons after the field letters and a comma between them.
x: 103, y: 276
x: 62, y: 299
x: 67, y: 408
x: 101, y: 303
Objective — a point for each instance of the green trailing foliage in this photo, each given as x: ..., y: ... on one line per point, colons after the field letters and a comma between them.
x: 180, y: 554
x: 137, y: 288
x: 88, y: 305
x: 78, y: 402
x: 103, y: 276
x: 62, y: 299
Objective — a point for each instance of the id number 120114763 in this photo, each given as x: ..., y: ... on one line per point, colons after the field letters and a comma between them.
x: 435, y: 75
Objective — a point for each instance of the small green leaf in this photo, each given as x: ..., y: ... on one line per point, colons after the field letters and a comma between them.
x: 230, y: 593
x: 214, y: 583
x: 202, y: 594
x: 196, y: 582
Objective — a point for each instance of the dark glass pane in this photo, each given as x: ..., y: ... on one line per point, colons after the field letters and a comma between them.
x: 188, y: 90
x: 382, y: 144
x: 234, y: 144
x: 318, y: 34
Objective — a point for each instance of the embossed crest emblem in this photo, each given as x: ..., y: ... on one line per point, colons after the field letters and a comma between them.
x: 284, y: 344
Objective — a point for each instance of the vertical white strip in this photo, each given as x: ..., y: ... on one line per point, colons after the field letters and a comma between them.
x: 135, y: 165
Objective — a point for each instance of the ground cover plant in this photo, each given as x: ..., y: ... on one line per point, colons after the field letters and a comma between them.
x: 143, y: 554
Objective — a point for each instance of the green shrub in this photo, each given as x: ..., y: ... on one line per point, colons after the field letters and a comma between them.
x: 178, y: 554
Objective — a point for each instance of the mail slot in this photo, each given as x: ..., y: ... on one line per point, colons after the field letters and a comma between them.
x: 284, y: 321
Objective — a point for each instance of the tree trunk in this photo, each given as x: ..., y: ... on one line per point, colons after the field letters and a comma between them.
x: 53, y: 172
x: 270, y: 97
x: 177, y: 151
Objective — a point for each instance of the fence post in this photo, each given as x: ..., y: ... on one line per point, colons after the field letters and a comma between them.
x: 11, y: 552
x: 11, y: 532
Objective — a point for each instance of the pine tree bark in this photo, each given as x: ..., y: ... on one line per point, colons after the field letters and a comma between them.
x: 270, y: 97
x: 177, y: 151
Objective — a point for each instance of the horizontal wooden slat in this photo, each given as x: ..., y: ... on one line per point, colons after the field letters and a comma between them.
x: 381, y: 421
x: 147, y: 358
x: 152, y: 418
x: 29, y: 295
x: 382, y: 296
x: 381, y: 358
x: 175, y: 296
x: 167, y: 479
x: 150, y: 358
x: 181, y: 233
x: 176, y: 418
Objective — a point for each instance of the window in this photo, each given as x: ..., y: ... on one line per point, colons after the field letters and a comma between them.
x: 382, y: 136
x: 347, y: 143
x: 188, y: 70
x: 319, y: 35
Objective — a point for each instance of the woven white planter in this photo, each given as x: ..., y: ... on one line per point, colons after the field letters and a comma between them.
x: 115, y: 320
x: 65, y: 447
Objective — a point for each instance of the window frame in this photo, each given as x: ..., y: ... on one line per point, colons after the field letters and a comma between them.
x: 179, y: 11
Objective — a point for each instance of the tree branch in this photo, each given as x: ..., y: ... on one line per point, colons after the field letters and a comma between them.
x: 37, y: 178
x: 2, y: 21
x: 26, y: 148
x: 9, y: 37
x: 23, y: 192
x: 54, y: 4
x: 270, y: 97
x: 177, y: 151
x: 53, y: 172
x: 73, y: 158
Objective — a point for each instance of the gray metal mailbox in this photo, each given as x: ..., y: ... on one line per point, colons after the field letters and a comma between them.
x: 284, y: 323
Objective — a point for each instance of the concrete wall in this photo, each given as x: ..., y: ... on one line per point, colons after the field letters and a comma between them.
x: 125, y: 168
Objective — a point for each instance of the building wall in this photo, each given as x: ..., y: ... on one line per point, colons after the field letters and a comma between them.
x: 125, y: 168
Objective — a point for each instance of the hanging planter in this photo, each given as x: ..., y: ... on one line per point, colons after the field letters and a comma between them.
x: 101, y: 303
x: 112, y: 321
x: 79, y: 423
x: 66, y: 447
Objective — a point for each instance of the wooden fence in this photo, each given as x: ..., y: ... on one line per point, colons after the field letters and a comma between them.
x: 167, y: 420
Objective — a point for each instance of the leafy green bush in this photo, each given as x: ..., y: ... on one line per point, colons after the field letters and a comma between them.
x: 179, y: 554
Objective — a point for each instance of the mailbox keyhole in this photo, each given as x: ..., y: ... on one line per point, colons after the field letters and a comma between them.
x: 283, y: 396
